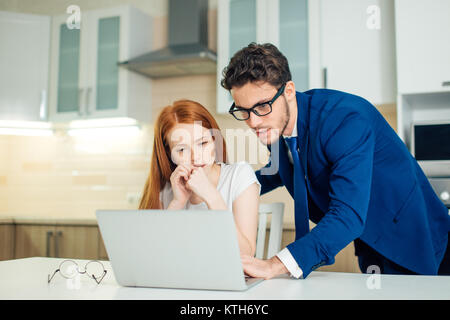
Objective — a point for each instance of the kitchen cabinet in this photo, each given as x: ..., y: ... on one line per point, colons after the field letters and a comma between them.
x: 423, y: 46
x: 79, y: 242
x: 24, y: 65
x: 102, y: 254
x: 60, y: 238
x: 7, y: 229
x: 60, y: 241
x: 236, y: 28
x: 423, y: 63
x: 33, y: 241
x: 86, y: 81
x: 344, y: 45
x: 358, y: 48
x: 291, y: 25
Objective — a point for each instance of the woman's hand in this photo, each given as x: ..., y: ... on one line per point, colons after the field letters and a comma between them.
x: 178, y: 180
x: 200, y: 184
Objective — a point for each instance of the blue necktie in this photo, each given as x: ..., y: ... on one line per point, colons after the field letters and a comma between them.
x: 300, y: 192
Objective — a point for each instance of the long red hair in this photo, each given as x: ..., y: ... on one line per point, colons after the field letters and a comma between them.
x: 161, y: 167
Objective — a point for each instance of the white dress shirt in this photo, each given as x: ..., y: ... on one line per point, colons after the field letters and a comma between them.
x: 285, y: 255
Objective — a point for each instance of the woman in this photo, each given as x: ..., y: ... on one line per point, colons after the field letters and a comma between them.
x: 189, y: 171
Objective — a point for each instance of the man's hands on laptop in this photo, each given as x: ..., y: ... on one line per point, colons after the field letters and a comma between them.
x: 259, y: 268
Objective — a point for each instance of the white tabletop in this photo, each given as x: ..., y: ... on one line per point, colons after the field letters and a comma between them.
x: 27, y: 279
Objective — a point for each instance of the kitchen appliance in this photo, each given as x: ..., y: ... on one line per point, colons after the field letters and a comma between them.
x: 187, y: 52
x: 430, y: 145
x: 442, y: 188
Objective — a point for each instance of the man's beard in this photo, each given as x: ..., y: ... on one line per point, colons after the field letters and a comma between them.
x: 287, y: 117
x: 284, y: 123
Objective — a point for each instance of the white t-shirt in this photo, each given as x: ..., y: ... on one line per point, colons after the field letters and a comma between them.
x: 233, y: 180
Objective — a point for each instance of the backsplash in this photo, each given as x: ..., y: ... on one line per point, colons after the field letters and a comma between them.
x: 60, y: 176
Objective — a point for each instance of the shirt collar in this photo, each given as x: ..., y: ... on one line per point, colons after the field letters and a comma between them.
x: 294, y: 131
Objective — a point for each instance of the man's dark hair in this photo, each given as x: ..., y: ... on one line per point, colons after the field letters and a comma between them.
x: 256, y: 62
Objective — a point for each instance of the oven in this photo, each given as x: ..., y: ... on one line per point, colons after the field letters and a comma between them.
x: 430, y: 145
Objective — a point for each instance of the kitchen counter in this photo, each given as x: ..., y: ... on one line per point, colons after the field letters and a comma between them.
x: 48, y: 221
x: 6, y: 220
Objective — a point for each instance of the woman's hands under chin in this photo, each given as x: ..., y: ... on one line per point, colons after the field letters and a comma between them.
x: 200, y: 184
x: 178, y: 181
x: 188, y: 181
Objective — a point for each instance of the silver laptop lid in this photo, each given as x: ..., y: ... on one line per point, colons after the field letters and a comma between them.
x: 173, y: 249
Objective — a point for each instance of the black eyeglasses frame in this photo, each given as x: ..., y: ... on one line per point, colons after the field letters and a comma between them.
x: 235, y: 108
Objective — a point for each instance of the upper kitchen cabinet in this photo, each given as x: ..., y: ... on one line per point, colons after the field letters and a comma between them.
x: 86, y: 81
x: 24, y: 61
x: 291, y: 25
x: 423, y: 46
x: 423, y: 63
x: 358, y: 48
x: 236, y: 28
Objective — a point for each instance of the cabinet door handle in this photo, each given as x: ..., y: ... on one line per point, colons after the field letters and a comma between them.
x: 49, y: 235
x: 88, y: 97
x: 58, y: 235
x: 446, y: 83
x: 325, y: 77
x: 80, y: 96
x: 43, y: 105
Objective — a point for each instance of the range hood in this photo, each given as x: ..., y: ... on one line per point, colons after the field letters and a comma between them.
x: 187, y: 52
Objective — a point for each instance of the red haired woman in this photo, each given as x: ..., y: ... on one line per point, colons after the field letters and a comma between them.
x: 189, y: 171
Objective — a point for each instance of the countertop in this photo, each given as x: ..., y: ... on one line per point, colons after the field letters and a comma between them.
x: 29, y: 281
x: 48, y: 220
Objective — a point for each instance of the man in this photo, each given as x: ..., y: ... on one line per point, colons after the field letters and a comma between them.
x: 346, y: 169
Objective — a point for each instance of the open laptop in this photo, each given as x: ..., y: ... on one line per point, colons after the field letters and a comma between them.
x: 186, y: 249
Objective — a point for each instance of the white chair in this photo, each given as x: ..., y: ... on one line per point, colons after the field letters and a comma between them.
x: 276, y: 209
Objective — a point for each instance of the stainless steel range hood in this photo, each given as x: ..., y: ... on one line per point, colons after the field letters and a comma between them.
x: 187, y: 52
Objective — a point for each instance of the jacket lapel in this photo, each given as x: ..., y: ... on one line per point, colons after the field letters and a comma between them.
x: 285, y: 167
x: 303, y: 128
x: 286, y: 170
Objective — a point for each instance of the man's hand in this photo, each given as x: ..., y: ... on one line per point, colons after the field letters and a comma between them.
x: 266, y: 269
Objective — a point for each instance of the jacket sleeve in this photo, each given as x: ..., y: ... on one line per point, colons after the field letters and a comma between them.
x: 268, y: 180
x: 347, y: 141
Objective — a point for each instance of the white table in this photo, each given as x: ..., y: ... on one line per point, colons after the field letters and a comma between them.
x: 25, y: 279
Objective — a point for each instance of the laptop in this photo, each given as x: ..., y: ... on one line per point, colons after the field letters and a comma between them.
x: 185, y: 249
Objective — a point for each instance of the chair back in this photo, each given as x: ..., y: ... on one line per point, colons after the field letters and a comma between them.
x: 275, y: 209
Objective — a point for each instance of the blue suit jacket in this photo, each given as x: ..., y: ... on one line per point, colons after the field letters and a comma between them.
x: 362, y: 182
